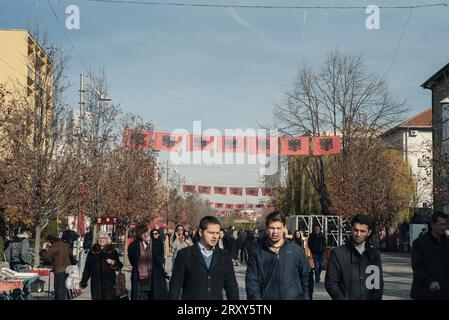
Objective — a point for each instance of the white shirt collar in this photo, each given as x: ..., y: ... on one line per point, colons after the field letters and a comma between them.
x: 204, y: 250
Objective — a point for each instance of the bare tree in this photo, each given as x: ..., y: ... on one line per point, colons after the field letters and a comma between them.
x: 341, y: 98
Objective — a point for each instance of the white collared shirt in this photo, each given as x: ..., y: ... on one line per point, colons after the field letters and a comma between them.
x: 207, y: 253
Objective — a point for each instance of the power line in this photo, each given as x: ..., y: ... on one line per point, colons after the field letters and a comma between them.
x: 204, y: 5
x: 67, y: 36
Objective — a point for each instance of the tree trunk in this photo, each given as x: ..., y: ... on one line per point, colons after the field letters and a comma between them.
x: 37, y: 243
x: 126, y: 247
x: 94, y: 233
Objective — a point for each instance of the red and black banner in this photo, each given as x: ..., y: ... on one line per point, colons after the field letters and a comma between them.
x: 258, y: 206
x: 229, y: 206
x: 266, y: 192
x: 200, y: 143
x: 325, y: 145
x: 292, y: 146
x: 220, y: 190
x: 167, y: 141
x: 236, y: 191
x: 240, y: 206
x: 252, y: 192
x: 189, y: 188
x: 138, y: 139
x: 263, y: 145
x: 219, y: 205
x: 231, y: 144
x: 204, y: 189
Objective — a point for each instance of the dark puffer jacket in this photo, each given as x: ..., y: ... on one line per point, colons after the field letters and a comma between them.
x: 284, y: 276
x: 351, y: 276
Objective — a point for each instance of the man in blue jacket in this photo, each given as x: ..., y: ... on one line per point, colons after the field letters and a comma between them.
x: 278, y: 268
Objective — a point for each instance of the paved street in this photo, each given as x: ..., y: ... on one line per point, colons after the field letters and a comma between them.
x: 397, y: 277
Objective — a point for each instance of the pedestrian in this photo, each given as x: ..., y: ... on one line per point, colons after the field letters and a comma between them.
x: 354, y: 271
x: 317, y: 245
x: 101, y: 264
x: 69, y: 236
x: 147, y: 261
x: 59, y: 251
x: 423, y: 232
x: 18, y: 255
x: 277, y: 268
x: 203, y: 271
x: 234, y: 247
x: 88, y: 240
x: 242, y: 235
x: 179, y: 241
x: 430, y: 261
x: 221, y: 239
x: 250, y: 244
x: 158, y: 245
x: 309, y: 256
x: 298, y: 238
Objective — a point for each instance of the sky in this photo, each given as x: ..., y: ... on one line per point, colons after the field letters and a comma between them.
x: 228, y: 67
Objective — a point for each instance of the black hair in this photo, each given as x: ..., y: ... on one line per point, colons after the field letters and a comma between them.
x: 437, y: 214
x: 52, y: 239
x: 274, y: 217
x: 363, y: 219
x: 205, y: 221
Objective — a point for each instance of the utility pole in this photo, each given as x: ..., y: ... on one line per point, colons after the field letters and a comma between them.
x: 168, y: 193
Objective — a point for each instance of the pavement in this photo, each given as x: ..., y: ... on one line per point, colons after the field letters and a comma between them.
x: 396, y: 267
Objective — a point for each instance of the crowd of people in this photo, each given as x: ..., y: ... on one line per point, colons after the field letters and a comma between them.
x: 279, y: 265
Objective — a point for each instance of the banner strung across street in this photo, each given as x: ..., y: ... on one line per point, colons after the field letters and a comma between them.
x: 286, y: 146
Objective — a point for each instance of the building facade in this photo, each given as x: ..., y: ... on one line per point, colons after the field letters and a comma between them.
x: 438, y: 83
x: 413, y: 138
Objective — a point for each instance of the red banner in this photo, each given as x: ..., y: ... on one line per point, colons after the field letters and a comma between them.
x: 229, y: 206
x: 240, y: 206
x: 325, y: 145
x: 250, y: 206
x: 231, y: 144
x: 292, y: 146
x: 236, y: 191
x: 259, y: 205
x: 200, y: 143
x: 220, y: 190
x: 167, y: 141
x: 139, y: 139
x: 219, y: 205
x: 252, y: 192
x: 204, y: 189
x: 188, y: 188
x: 269, y: 206
x: 262, y: 145
x: 266, y: 192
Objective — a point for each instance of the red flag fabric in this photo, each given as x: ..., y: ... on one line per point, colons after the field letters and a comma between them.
x: 325, y: 145
x: 167, y: 141
x: 229, y: 206
x: 266, y: 192
x: 292, y: 146
x: 204, y: 189
x: 231, y: 144
x: 219, y: 205
x: 259, y: 205
x: 262, y: 145
x: 236, y: 191
x: 252, y: 192
x: 240, y: 206
x: 250, y: 206
x: 188, y: 188
x: 220, y: 190
x: 269, y: 206
x: 200, y: 143
x: 139, y: 139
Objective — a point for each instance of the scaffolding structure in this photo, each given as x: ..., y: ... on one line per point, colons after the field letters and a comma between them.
x: 335, y: 228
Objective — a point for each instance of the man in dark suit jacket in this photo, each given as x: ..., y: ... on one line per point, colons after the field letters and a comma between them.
x: 202, y: 271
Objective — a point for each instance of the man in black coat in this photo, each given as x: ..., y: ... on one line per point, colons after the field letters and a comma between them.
x: 148, y: 274
x: 202, y: 271
x: 278, y: 268
x: 355, y: 271
x: 317, y: 245
x: 430, y: 262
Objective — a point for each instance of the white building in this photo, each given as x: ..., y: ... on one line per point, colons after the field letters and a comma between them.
x: 414, y: 138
